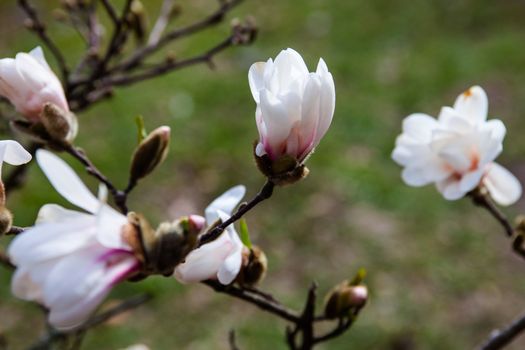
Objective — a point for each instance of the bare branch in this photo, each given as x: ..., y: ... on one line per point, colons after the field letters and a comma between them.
x: 500, y: 338
x: 39, y: 28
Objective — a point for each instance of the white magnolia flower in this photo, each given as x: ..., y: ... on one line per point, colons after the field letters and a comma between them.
x: 456, y: 151
x: 29, y: 83
x: 294, y: 107
x: 221, y: 258
x: 70, y: 260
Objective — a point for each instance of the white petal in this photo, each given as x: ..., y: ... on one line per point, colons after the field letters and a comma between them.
x: 327, y: 101
x: 503, y: 186
x: 38, y: 54
x: 66, y: 182
x: 54, y: 213
x: 225, y: 202
x: 109, y: 228
x: 471, y: 180
x: 256, y: 79
x: 450, y: 189
x: 419, y: 126
x: 232, y: 264
x: 13, y: 153
x: 472, y: 104
x: 204, y: 262
x: 277, y: 120
x: 51, y: 240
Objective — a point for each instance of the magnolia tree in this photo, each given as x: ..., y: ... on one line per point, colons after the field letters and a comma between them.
x: 68, y: 261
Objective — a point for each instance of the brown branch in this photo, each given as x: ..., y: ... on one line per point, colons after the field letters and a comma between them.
x: 39, y: 28
x: 271, y: 306
x: 207, y: 22
x: 15, y: 230
x: 481, y: 198
x: 500, y: 338
x: 110, y: 10
x: 119, y: 197
x: 232, y: 341
x: 265, y: 193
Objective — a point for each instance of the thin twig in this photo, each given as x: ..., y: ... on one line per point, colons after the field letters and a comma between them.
x: 265, y: 193
x: 500, y: 338
x: 270, y: 306
x: 232, y: 341
x: 15, y: 230
x: 481, y: 198
x: 161, y: 22
x: 38, y: 27
x: 119, y: 197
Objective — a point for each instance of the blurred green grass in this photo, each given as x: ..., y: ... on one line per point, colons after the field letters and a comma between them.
x: 441, y: 273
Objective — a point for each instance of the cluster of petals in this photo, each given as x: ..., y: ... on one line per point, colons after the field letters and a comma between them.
x: 28, y: 83
x: 222, y: 258
x: 294, y: 106
x: 70, y: 260
x: 457, y: 150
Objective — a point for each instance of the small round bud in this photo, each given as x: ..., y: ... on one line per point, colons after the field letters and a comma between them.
x: 254, y: 266
x: 150, y: 152
x: 343, y: 298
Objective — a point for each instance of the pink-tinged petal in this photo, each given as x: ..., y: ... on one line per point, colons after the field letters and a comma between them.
x: 256, y: 79
x: 473, y: 104
x: 51, y: 240
x: 11, y: 82
x: 197, y: 223
x: 35, y: 75
x: 232, y: 264
x: 204, y: 262
x: 310, y: 117
x: 54, y: 213
x: 79, y: 283
x: 277, y: 121
x: 502, y: 185
x: 66, y: 182
x: 226, y: 202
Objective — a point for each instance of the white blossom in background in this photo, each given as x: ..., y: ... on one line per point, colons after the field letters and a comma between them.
x: 70, y: 260
x: 29, y: 83
x: 457, y: 150
x: 294, y: 107
x: 222, y: 258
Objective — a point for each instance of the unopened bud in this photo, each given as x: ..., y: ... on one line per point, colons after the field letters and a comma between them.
x: 254, y: 267
x: 344, y: 298
x: 150, y: 152
x: 283, y: 171
x: 60, y: 125
x: 6, y: 220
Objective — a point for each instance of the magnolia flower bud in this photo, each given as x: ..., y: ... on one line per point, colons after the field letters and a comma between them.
x: 162, y: 249
x: 294, y: 110
x: 28, y: 83
x: 254, y: 267
x: 150, y: 152
x: 343, y: 298
x: 60, y: 125
x: 6, y: 220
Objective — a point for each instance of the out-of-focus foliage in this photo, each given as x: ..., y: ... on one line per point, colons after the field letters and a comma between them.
x: 441, y: 274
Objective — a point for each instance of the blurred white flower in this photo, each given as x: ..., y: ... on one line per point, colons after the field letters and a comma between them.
x: 70, y: 260
x: 221, y: 258
x: 294, y: 107
x: 456, y: 151
x: 29, y: 83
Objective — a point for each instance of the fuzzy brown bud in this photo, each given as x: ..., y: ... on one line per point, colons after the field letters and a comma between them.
x: 150, y: 153
x: 254, y: 266
x: 6, y: 220
x: 60, y: 125
x: 343, y: 298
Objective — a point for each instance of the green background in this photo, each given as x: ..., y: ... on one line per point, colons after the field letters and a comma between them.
x: 441, y: 274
